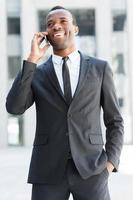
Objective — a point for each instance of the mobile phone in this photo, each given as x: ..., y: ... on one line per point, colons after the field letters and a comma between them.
x: 46, y: 38
x: 44, y: 41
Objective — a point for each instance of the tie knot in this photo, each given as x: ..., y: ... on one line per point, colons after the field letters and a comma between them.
x: 65, y: 58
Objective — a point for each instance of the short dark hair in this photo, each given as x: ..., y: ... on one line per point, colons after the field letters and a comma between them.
x: 60, y: 7
x: 57, y: 7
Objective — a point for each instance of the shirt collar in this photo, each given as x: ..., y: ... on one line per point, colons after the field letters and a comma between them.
x: 72, y: 57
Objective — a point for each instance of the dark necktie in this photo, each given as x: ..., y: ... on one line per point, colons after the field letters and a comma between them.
x: 66, y: 81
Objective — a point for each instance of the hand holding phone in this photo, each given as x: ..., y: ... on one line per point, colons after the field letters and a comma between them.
x: 45, y: 38
x: 44, y: 41
x: 39, y: 46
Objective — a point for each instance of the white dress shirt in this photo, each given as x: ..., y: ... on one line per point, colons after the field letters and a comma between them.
x: 73, y: 64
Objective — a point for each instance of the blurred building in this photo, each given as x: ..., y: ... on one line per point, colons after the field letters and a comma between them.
x: 106, y: 29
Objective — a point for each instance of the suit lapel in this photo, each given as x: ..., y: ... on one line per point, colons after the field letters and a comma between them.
x: 49, y: 69
x: 84, y: 68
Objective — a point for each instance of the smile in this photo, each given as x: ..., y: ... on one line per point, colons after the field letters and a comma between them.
x: 59, y: 34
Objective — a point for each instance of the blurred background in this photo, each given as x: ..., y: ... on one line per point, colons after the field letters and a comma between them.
x: 106, y: 31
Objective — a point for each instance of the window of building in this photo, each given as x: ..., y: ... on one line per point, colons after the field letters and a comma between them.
x: 14, y: 64
x: 119, y: 18
x: 121, y: 102
x: 15, y: 130
x: 120, y: 64
x: 13, y: 24
x: 86, y: 21
x: 120, y: 77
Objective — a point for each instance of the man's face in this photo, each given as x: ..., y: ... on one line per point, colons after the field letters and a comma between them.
x: 61, y: 30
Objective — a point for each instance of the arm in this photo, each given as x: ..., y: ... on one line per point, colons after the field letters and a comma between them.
x: 21, y: 97
x: 112, y: 119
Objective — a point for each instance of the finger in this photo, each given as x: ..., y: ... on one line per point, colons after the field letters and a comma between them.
x: 38, y: 35
x: 38, y: 38
x: 44, y: 33
x: 42, y: 36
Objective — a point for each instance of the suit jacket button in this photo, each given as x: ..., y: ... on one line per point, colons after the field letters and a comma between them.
x: 70, y: 115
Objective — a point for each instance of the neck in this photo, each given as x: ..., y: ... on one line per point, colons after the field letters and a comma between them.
x: 64, y: 52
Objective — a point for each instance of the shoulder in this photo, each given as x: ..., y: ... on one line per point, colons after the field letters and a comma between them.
x: 44, y: 65
x: 97, y: 67
x: 99, y: 64
x: 96, y: 61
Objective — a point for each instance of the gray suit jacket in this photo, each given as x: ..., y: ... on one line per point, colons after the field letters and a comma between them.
x: 77, y: 127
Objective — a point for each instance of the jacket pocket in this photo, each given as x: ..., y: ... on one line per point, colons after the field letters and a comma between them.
x: 40, y: 139
x: 96, y: 139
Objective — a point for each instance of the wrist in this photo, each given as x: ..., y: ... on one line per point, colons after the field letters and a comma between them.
x: 32, y: 59
x: 109, y: 166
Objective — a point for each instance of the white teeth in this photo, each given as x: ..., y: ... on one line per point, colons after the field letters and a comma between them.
x: 59, y: 34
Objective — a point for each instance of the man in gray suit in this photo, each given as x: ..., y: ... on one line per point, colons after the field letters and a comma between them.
x: 69, y: 90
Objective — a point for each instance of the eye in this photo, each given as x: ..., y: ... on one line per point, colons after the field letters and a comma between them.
x: 64, y: 21
x: 49, y: 24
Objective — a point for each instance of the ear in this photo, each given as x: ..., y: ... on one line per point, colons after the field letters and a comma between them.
x: 76, y: 30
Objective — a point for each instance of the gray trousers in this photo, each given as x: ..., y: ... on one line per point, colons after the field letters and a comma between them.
x: 93, y: 188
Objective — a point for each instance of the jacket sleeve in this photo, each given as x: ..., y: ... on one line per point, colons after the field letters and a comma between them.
x: 20, y: 96
x: 112, y: 118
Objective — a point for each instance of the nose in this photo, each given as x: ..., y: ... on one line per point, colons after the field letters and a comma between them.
x: 57, y: 26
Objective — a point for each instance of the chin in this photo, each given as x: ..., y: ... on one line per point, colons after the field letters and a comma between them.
x: 59, y: 46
